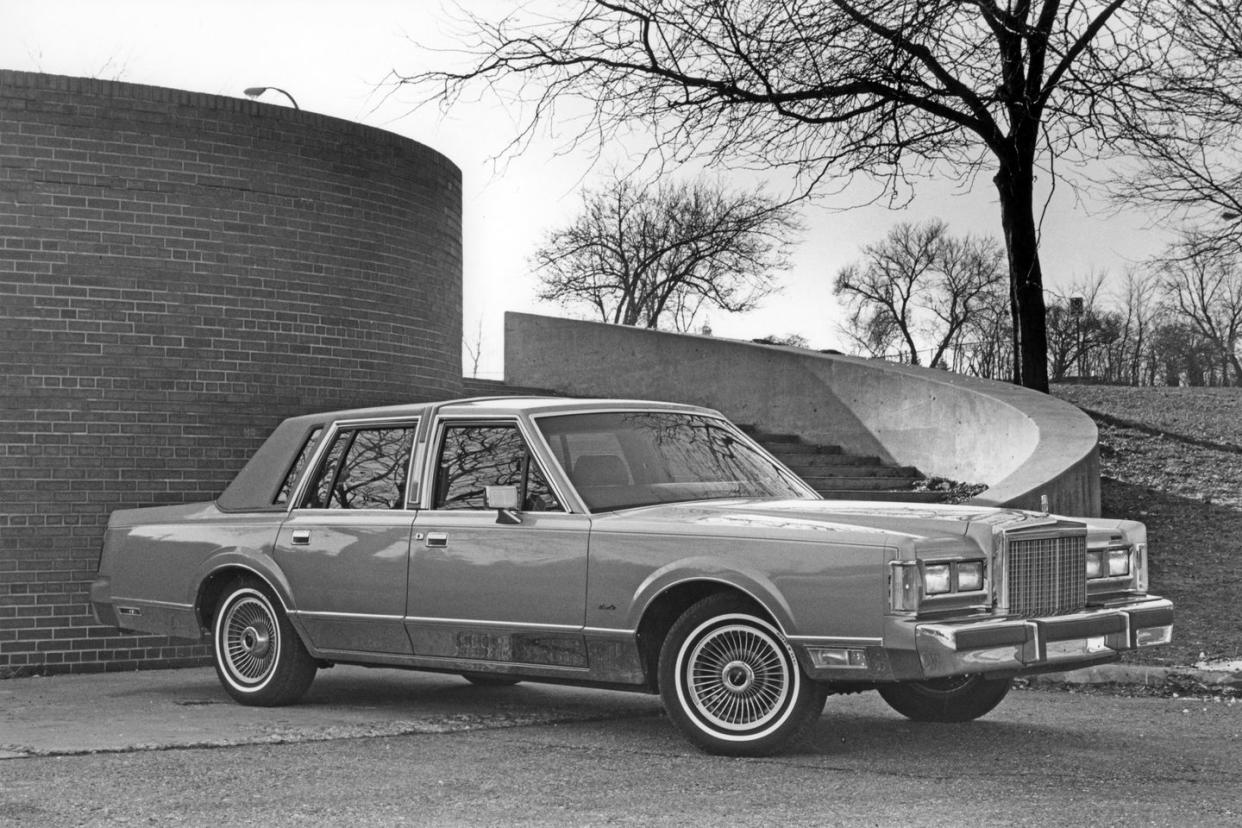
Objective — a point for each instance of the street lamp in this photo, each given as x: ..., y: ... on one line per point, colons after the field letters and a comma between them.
x: 256, y: 91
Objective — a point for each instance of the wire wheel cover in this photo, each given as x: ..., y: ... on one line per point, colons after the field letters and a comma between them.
x: 738, y: 677
x: 249, y: 640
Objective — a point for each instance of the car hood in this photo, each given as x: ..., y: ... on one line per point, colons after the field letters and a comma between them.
x: 829, y: 520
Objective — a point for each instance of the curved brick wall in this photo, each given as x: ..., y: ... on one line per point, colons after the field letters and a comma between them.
x: 177, y: 273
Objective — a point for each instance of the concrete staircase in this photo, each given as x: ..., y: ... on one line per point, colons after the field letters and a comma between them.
x: 840, y: 476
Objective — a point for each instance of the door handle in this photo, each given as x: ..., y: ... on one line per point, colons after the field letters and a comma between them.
x: 301, y: 537
x: 438, y: 539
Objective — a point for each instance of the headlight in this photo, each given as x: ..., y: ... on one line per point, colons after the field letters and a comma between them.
x: 1095, y: 563
x: 1108, y: 563
x: 910, y: 582
x: 970, y: 576
x: 937, y: 579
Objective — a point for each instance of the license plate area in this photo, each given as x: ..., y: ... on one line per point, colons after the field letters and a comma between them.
x: 1075, y: 648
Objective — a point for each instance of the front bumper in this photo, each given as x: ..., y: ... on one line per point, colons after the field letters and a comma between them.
x: 1040, y: 644
x: 913, y: 650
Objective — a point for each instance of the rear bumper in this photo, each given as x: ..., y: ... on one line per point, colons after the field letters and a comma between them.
x: 133, y: 615
x: 1040, y: 644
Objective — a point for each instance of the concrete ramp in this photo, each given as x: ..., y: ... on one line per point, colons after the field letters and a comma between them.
x: 1026, y: 446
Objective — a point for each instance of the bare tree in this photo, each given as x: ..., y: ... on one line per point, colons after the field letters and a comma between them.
x: 1189, y: 133
x: 639, y: 256
x: 891, y: 89
x: 986, y: 342
x: 1182, y: 355
x: 919, y: 286
x: 473, y: 349
x: 1140, y: 315
x: 1204, y: 289
x: 1079, y: 327
x: 792, y: 340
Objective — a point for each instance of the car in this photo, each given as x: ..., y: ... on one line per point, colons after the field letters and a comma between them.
x: 620, y: 544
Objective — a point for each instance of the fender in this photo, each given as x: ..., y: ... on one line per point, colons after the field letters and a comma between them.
x: 705, y: 568
x: 259, y: 564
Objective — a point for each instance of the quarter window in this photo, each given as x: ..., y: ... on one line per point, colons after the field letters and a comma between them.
x: 365, y: 468
x: 299, y: 466
x: 473, y: 457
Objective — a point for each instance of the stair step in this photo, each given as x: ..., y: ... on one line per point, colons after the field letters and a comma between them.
x: 839, y: 475
x: 903, y: 496
x: 761, y: 436
x: 830, y: 462
x: 895, y: 477
x: 870, y: 484
x: 779, y: 447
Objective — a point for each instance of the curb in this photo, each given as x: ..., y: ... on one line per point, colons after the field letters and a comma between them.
x: 1140, y: 675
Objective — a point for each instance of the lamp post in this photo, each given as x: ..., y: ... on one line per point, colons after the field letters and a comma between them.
x: 256, y: 91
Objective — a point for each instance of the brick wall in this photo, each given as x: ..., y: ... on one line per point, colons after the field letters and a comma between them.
x: 178, y: 272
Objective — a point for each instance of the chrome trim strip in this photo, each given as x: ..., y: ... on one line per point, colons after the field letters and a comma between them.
x: 147, y: 602
x: 528, y: 670
x: 471, y: 622
x: 613, y: 631
x: 829, y: 640
x: 358, y: 615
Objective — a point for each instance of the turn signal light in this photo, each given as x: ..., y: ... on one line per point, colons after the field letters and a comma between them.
x: 847, y: 657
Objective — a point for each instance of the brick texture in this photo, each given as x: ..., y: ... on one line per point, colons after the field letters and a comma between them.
x: 178, y: 272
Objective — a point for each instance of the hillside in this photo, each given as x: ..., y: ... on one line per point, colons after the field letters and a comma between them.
x: 1172, y: 458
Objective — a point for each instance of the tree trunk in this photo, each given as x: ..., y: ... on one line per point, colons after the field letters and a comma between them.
x: 1232, y: 357
x: 1015, y: 184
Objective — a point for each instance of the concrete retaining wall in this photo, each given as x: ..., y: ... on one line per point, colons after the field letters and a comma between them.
x: 1023, y: 444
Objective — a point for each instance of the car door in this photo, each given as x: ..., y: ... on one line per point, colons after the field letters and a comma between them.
x: 344, y: 548
x: 485, y: 588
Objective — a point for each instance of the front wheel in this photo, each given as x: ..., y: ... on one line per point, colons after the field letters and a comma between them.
x: 956, y: 699
x: 730, y: 682
x: 259, y: 658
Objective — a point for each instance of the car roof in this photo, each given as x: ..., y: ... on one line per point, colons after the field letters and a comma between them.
x: 511, y: 405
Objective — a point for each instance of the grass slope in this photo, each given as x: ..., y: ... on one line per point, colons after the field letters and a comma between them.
x: 1172, y: 458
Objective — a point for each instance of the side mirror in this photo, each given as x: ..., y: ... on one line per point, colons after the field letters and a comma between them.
x: 504, y: 499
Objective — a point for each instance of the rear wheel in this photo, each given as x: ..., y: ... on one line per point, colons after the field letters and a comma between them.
x: 730, y: 682
x: 259, y: 658
x: 956, y: 699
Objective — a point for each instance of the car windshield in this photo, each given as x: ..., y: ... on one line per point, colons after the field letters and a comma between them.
x: 622, y: 459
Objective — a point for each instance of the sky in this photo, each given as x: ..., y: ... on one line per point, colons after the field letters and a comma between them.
x: 337, y: 58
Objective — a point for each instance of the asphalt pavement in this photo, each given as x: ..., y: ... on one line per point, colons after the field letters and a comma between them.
x: 64, y: 715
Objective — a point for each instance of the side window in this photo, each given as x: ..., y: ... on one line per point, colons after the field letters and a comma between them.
x: 475, y: 456
x: 365, y: 468
x: 595, y: 459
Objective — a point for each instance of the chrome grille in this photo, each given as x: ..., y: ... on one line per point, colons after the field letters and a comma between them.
x: 1047, y: 575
